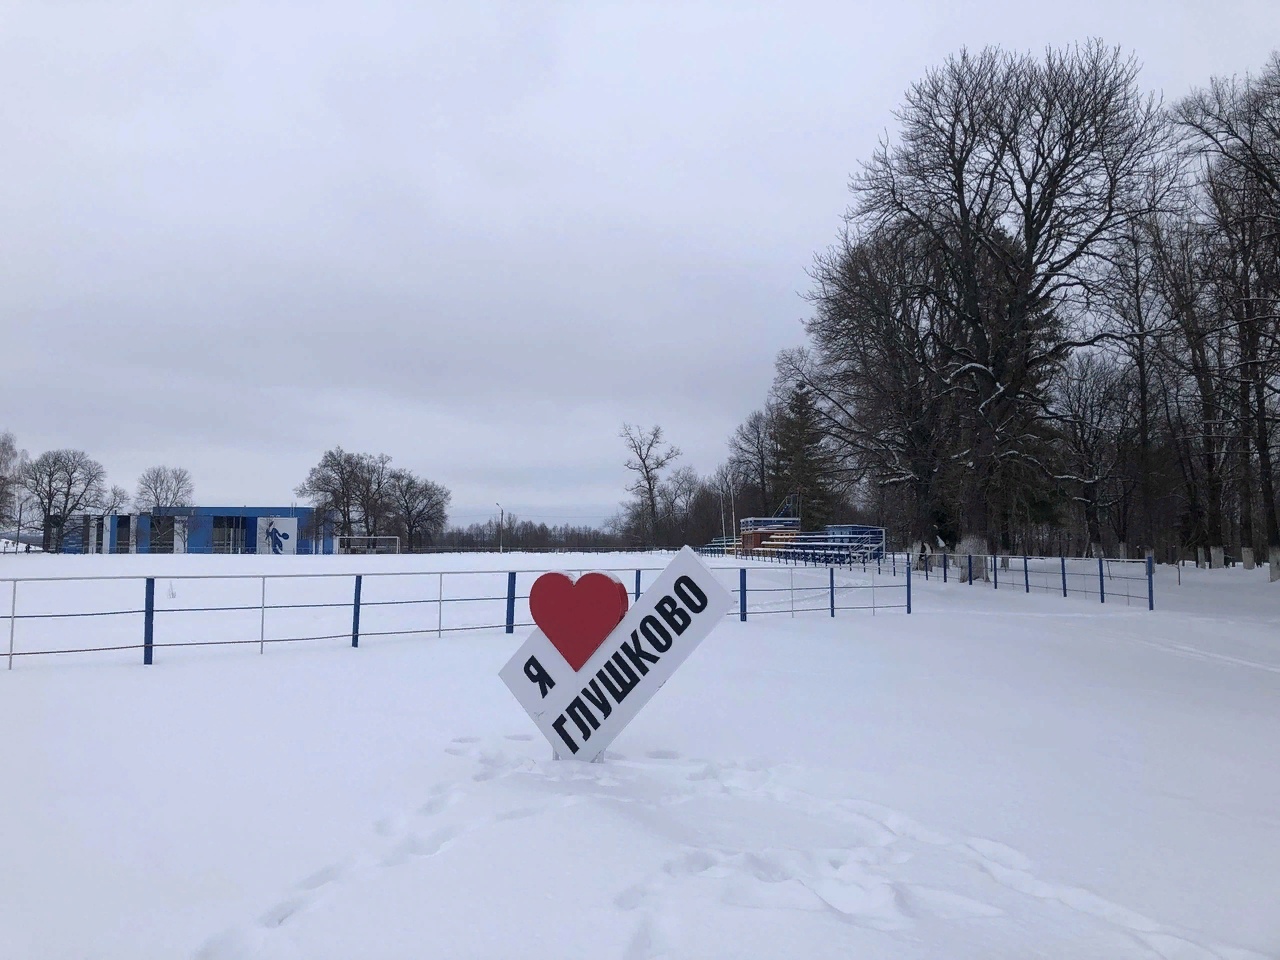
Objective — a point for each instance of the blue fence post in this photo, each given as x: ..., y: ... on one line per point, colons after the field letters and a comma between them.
x: 742, y: 594
x: 1064, y: 575
x: 511, y: 602
x: 995, y: 573
x: 944, y: 568
x: 355, y: 613
x: 908, y: 566
x: 1026, y: 574
x: 832, y: 571
x: 1102, y: 583
x: 971, y: 569
x: 637, y: 584
x: 149, y: 621
x: 1151, y: 583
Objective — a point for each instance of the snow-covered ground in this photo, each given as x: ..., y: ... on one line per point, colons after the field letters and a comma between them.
x: 997, y: 775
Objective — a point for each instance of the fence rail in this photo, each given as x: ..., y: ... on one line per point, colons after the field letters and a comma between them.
x: 235, y: 610
x: 1131, y: 581
x: 114, y: 614
x: 1128, y: 581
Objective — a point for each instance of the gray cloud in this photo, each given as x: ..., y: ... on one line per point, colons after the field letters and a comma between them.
x: 476, y: 236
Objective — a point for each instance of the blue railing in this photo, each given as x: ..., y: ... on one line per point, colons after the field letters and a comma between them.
x: 1102, y: 578
x: 117, y: 614
x: 1105, y: 579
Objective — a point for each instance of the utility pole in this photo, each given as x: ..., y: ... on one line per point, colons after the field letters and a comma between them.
x: 733, y: 518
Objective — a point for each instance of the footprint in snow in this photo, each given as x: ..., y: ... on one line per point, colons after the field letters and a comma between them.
x: 436, y: 804
x: 414, y: 846
x: 323, y: 876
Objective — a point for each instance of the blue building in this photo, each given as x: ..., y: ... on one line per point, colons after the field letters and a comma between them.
x: 276, y: 530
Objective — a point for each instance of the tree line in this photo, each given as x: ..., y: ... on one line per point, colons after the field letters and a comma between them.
x: 366, y: 496
x: 512, y: 533
x: 1051, y: 321
x: 42, y: 493
x: 779, y: 457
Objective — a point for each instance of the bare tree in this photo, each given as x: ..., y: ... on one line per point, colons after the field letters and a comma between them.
x: 1235, y: 126
x: 62, y: 483
x: 11, y: 463
x: 1238, y: 120
x: 160, y: 487
x: 677, y: 496
x: 753, y: 452
x: 1047, y: 314
x: 372, y: 483
x: 115, y: 500
x: 1017, y: 176
x: 1093, y: 408
x: 649, y: 456
x: 1197, y: 401
x: 879, y: 369
x: 332, y: 485
x: 419, y: 507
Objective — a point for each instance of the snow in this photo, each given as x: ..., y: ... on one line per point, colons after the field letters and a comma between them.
x: 997, y: 775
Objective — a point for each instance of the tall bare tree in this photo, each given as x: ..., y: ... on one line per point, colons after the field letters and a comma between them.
x: 11, y: 463
x: 165, y: 487
x: 333, y: 486
x: 372, y: 490
x: 1235, y: 125
x: 878, y: 368
x: 753, y: 452
x: 1018, y: 175
x: 62, y: 483
x: 418, y: 506
x: 648, y: 456
x: 1093, y: 411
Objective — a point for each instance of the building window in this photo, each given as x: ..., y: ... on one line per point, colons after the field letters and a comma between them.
x: 161, y: 534
x: 228, y: 534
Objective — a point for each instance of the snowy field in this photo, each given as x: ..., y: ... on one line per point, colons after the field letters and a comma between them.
x: 998, y: 775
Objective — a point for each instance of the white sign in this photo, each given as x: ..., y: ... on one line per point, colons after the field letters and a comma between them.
x: 581, y: 712
x: 278, y: 535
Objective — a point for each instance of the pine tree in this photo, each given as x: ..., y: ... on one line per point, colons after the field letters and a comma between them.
x: 806, y: 466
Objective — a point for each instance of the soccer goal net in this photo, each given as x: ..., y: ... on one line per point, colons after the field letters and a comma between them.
x: 365, y: 544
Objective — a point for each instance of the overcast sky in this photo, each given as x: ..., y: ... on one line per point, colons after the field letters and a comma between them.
x: 476, y: 236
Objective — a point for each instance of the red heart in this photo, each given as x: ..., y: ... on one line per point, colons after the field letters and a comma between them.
x: 576, y: 617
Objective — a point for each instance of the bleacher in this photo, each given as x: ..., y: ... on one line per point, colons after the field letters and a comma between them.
x: 836, y: 545
x: 721, y: 547
x: 780, y: 538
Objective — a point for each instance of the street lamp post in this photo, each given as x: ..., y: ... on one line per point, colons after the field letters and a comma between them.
x: 733, y: 519
x: 501, y: 517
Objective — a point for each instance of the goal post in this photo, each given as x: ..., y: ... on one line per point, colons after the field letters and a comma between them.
x: 366, y: 544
